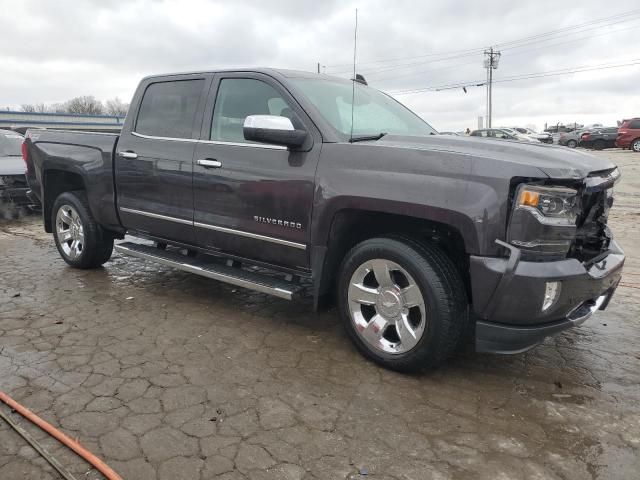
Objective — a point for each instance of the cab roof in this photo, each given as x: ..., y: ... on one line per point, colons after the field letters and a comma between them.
x: 273, y: 72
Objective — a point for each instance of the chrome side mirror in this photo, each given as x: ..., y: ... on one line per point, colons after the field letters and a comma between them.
x: 273, y: 129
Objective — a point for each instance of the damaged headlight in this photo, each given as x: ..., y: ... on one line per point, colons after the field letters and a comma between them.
x: 543, y: 221
x: 550, y: 205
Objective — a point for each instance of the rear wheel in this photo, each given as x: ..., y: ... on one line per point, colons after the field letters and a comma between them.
x: 635, y: 145
x: 402, y: 303
x: 572, y: 144
x: 81, y: 242
x: 598, y: 145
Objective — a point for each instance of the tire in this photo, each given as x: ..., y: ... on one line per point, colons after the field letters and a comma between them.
x: 598, y: 145
x: 572, y: 144
x: 635, y: 145
x: 81, y: 242
x: 423, y: 294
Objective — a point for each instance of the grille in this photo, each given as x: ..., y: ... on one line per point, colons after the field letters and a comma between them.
x: 14, y: 181
x: 593, y: 235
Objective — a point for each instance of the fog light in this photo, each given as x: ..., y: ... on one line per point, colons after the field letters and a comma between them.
x: 551, y: 293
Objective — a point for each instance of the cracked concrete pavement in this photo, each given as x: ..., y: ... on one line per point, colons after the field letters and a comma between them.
x: 168, y: 376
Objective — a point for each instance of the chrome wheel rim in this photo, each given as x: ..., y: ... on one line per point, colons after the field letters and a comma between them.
x: 636, y: 146
x: 70, y: 231
x: 386, y: 306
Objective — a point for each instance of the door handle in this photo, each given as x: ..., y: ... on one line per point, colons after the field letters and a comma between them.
x: 131, y: 155
x: 206, y: 163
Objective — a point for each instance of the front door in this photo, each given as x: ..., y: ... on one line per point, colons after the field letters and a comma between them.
x: 253, y: 200
x: 154, y: 159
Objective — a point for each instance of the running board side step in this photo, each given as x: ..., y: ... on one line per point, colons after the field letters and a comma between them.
x: 210, y: 269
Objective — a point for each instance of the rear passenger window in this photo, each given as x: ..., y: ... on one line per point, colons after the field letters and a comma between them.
x: 168, y: 109
x: 634, y: 124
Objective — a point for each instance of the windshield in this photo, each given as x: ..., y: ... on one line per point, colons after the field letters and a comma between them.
x: 374, y: 112
x: 10, y: 144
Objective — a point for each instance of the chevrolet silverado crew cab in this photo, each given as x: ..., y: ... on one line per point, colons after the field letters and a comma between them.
x: 284, y: 182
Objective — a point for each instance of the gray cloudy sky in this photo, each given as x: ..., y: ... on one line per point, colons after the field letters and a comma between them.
x: 54, y: 50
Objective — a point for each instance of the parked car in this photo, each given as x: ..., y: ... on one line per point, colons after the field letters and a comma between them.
x: 544, y: 137
x: 520, y: 136
x: 599, y: 138
x: 409, y: 230
x: 571, y: 139
x: 503, y: 134
x: 13, y: 181
x: 629, y: 135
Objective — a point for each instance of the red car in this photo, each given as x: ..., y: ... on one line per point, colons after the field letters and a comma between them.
x: 629, y: 135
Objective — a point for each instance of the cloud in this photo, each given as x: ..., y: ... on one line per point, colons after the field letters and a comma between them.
x: 56, y: 50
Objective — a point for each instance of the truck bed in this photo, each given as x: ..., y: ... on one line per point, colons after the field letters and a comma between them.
x: 85, y: 157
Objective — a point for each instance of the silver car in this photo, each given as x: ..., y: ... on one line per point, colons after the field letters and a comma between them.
x: 571, y: 139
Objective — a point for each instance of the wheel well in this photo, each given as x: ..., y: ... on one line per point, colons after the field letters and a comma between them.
x: 56, y: 182
x: 350, y: 227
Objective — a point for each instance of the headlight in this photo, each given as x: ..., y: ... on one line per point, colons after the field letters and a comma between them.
x: 550, y: 205
x: 543, y: 221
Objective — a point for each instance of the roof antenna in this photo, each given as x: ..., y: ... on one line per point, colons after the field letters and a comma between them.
x: 353, y: 80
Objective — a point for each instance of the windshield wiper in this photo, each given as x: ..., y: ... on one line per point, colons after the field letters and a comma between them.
x: 367, y: 137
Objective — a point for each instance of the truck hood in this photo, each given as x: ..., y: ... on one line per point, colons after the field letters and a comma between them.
x: 552, y: 160
x: 11, y: 166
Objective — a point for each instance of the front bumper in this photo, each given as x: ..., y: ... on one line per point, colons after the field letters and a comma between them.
x: 17, y: 196
x: 508, y: 295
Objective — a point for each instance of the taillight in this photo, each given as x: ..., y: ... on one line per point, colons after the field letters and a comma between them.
x: 585, y: 136
x: 25, y: 154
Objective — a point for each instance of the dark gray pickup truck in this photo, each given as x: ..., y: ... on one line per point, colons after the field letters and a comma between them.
x: 270, y: 180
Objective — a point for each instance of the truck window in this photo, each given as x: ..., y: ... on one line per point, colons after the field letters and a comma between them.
x: 237, y: 99
x: 374, y: 112
x: 168, y: 108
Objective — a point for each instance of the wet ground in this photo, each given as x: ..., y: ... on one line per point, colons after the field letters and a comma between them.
x: 166, y: 375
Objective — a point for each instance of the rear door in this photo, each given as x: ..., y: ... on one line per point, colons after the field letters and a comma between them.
x: 253, y: 200
x: 154, y: 159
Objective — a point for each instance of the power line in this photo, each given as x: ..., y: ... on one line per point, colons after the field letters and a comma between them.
x: 510, y: 54
x: 372, y: 71
x: 506, y: 45
x: 525, y: 76
x: 375, y: 70
x: 453, y: 52
x: 567, y: 34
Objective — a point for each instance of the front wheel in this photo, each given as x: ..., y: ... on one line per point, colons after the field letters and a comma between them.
x: 572, y: 144
x: 635, y: 145
x: 402, y: 303
x: 81, y: 242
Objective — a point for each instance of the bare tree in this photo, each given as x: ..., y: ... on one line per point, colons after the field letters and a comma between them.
x: 86, y: 104
x: 57, y: 108
x: 34, y: 108
x: 117, y: 107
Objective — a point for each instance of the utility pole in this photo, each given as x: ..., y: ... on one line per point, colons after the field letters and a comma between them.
x: 490, y: 63
x: 318, y: 67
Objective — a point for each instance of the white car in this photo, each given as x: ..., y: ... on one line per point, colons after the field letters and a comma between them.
x: 544, y: 137
x: 520, y: 136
